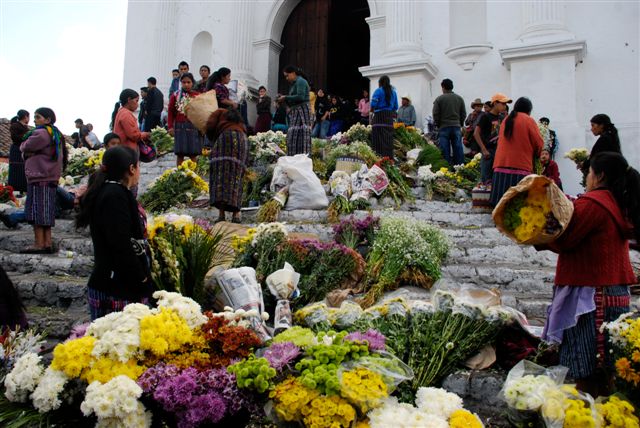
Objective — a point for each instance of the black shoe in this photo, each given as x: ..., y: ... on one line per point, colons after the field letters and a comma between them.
x: 7, y: 221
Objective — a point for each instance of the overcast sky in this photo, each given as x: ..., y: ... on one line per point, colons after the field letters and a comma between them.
x: 66, y: 55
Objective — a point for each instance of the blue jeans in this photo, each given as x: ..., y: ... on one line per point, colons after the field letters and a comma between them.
x: 320, y: 129
x: 486, y: 166
x: 450, y: 139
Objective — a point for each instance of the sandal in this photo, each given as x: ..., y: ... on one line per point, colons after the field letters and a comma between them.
x: 36, y: 250
x: 236, y: 220
x: 219, y: 220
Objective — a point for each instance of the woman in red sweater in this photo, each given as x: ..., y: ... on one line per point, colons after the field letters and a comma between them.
x: 518, y: 143
x: 188, y: 141
x: 594, y: 271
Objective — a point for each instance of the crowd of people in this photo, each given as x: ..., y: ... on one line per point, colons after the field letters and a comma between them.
x: 593, y: 271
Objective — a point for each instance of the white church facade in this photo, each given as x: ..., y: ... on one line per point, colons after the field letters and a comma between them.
x: 573, y: 59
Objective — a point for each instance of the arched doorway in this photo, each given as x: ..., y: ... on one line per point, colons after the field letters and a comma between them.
x: 328, y: 40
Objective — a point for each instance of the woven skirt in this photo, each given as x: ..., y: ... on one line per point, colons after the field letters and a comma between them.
x: 584, y: 348
x: 382, y: 133
x: 299, y: 132
x: 16, y: 179
x: 228, y: 163
x: 101, y: 304
x: 188, y: 141
x: 40, y: 208
x: 502, y: 181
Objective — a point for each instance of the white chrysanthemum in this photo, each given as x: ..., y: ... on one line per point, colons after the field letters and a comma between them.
x: 24, y: 377
x: 528, y: 392
x: 403, y: 415
x: 115, y: 403
x: 46, y: 395
x: 438, y: 402
x: 187, y: 308
x: 118, y: 334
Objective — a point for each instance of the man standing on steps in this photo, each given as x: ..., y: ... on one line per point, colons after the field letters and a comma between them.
x: 449, y: 114
x: 486, y: 134
x: 183, y: 67
x: 154, y: 105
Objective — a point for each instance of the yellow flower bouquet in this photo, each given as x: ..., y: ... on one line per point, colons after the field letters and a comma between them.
x: 533, y: 212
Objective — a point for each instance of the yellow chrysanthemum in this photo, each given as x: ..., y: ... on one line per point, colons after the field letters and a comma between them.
x: 104, y: 369
x: 74, y: 356
x: 464, y: 419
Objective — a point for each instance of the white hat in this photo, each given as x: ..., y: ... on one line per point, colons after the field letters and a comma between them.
x: 407, y: 96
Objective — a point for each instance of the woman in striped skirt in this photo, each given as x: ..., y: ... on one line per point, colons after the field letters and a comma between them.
x: 594, y: 271
x: 384, y: 104
x: 519, y: 143
x: 19, y: 127
x: 44, y: 151
x: 188, y: 141
x: 229, y: 156
x: 299, y: 116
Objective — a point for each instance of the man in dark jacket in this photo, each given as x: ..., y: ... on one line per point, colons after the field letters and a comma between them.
x: 154, y: 105
x: 449, y: 113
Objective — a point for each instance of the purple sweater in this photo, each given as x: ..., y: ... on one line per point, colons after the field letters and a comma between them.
x: 38, y: 151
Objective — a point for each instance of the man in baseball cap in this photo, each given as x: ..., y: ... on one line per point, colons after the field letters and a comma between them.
x: 486, y: 134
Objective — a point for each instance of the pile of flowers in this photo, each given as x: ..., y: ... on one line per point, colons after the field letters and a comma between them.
x: 16, y: 343
x: 172, y: 357
x: 83, y: 161
x: 162, y: 140
x: 183, y: 250
x: 6, y: 194
x: 534, y: 395
x: 398, y: 189
x: 359, y: 132
x: 443, y: 182
x: 354, y: 232
x: 404, y: 251
x: 435, y: 408
x: 432, y: 339
x: 267, y: 147
x: 175, y: 187
x: 324, y: 379
x: 624, y: 335
x: 528, y: 215
x: 578, y: 156
x: 323, y: 267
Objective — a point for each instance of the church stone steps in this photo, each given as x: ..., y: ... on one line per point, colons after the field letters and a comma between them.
x: 48, y: 264
x: 61, y: 291
x: 57, y: 322
x: 15, y: 240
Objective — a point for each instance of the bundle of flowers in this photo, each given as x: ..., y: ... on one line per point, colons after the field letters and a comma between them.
x: 468, y: 174
x: 4, y: 172
x: 270, y: 210
x: 435, y: 408
x: 354, y: 232
x: 170, y: 359
x: 398, y: 188
x: 162, y: 140
x: 624, y: 335
x: 256, y: 186
x: 529, y: 214
x: 16, y: 343
x: 6, y: 194
x: 359, y: 132
x: 431, y: 155
x: 404, y: 251
x: 432, y: 339
x: 183, y: 250
x: 407, y: 137
x: 175, y: 187
x: 267, y: 147
x: 358, y: 150
x: 323, y: 267
x: 324, y: 379
x: 340, y: 186
x: 616, y: 412
x: 83, y: 161
x: 578, y: 156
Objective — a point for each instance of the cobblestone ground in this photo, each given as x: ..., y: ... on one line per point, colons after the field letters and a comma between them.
x: 53, y: 287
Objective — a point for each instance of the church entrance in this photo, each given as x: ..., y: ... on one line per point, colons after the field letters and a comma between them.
x: 328, y: 40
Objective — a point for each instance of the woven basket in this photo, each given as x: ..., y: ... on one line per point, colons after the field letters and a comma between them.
x: 349, y: 165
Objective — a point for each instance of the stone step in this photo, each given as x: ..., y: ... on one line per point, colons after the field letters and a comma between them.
x: 57, y: 323
x: 15, y: 240
x: 46, y: 264
x: 61, y: 291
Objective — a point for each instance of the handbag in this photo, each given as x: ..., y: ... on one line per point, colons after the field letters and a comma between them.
x: 147, y: 152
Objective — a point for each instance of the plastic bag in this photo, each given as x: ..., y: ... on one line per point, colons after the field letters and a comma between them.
x: 283, y: 283
x: 369, y: 380
x: 561, y: 208
x: 279, y: 180
x: 348, y: 313
x: 200, y: 108
x: 340, y: 184
x: 314, y: 316
x: 412, y: 155
x: 305, y: 190
x: 242, y: 291
x: 567, y: 400
x: 282, y: 319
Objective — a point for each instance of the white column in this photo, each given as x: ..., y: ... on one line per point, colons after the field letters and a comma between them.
x: 543, y: 18
x: 403, y: 28
x: 241, y: 51
x: 268, y: 52
x: 165, y: 45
